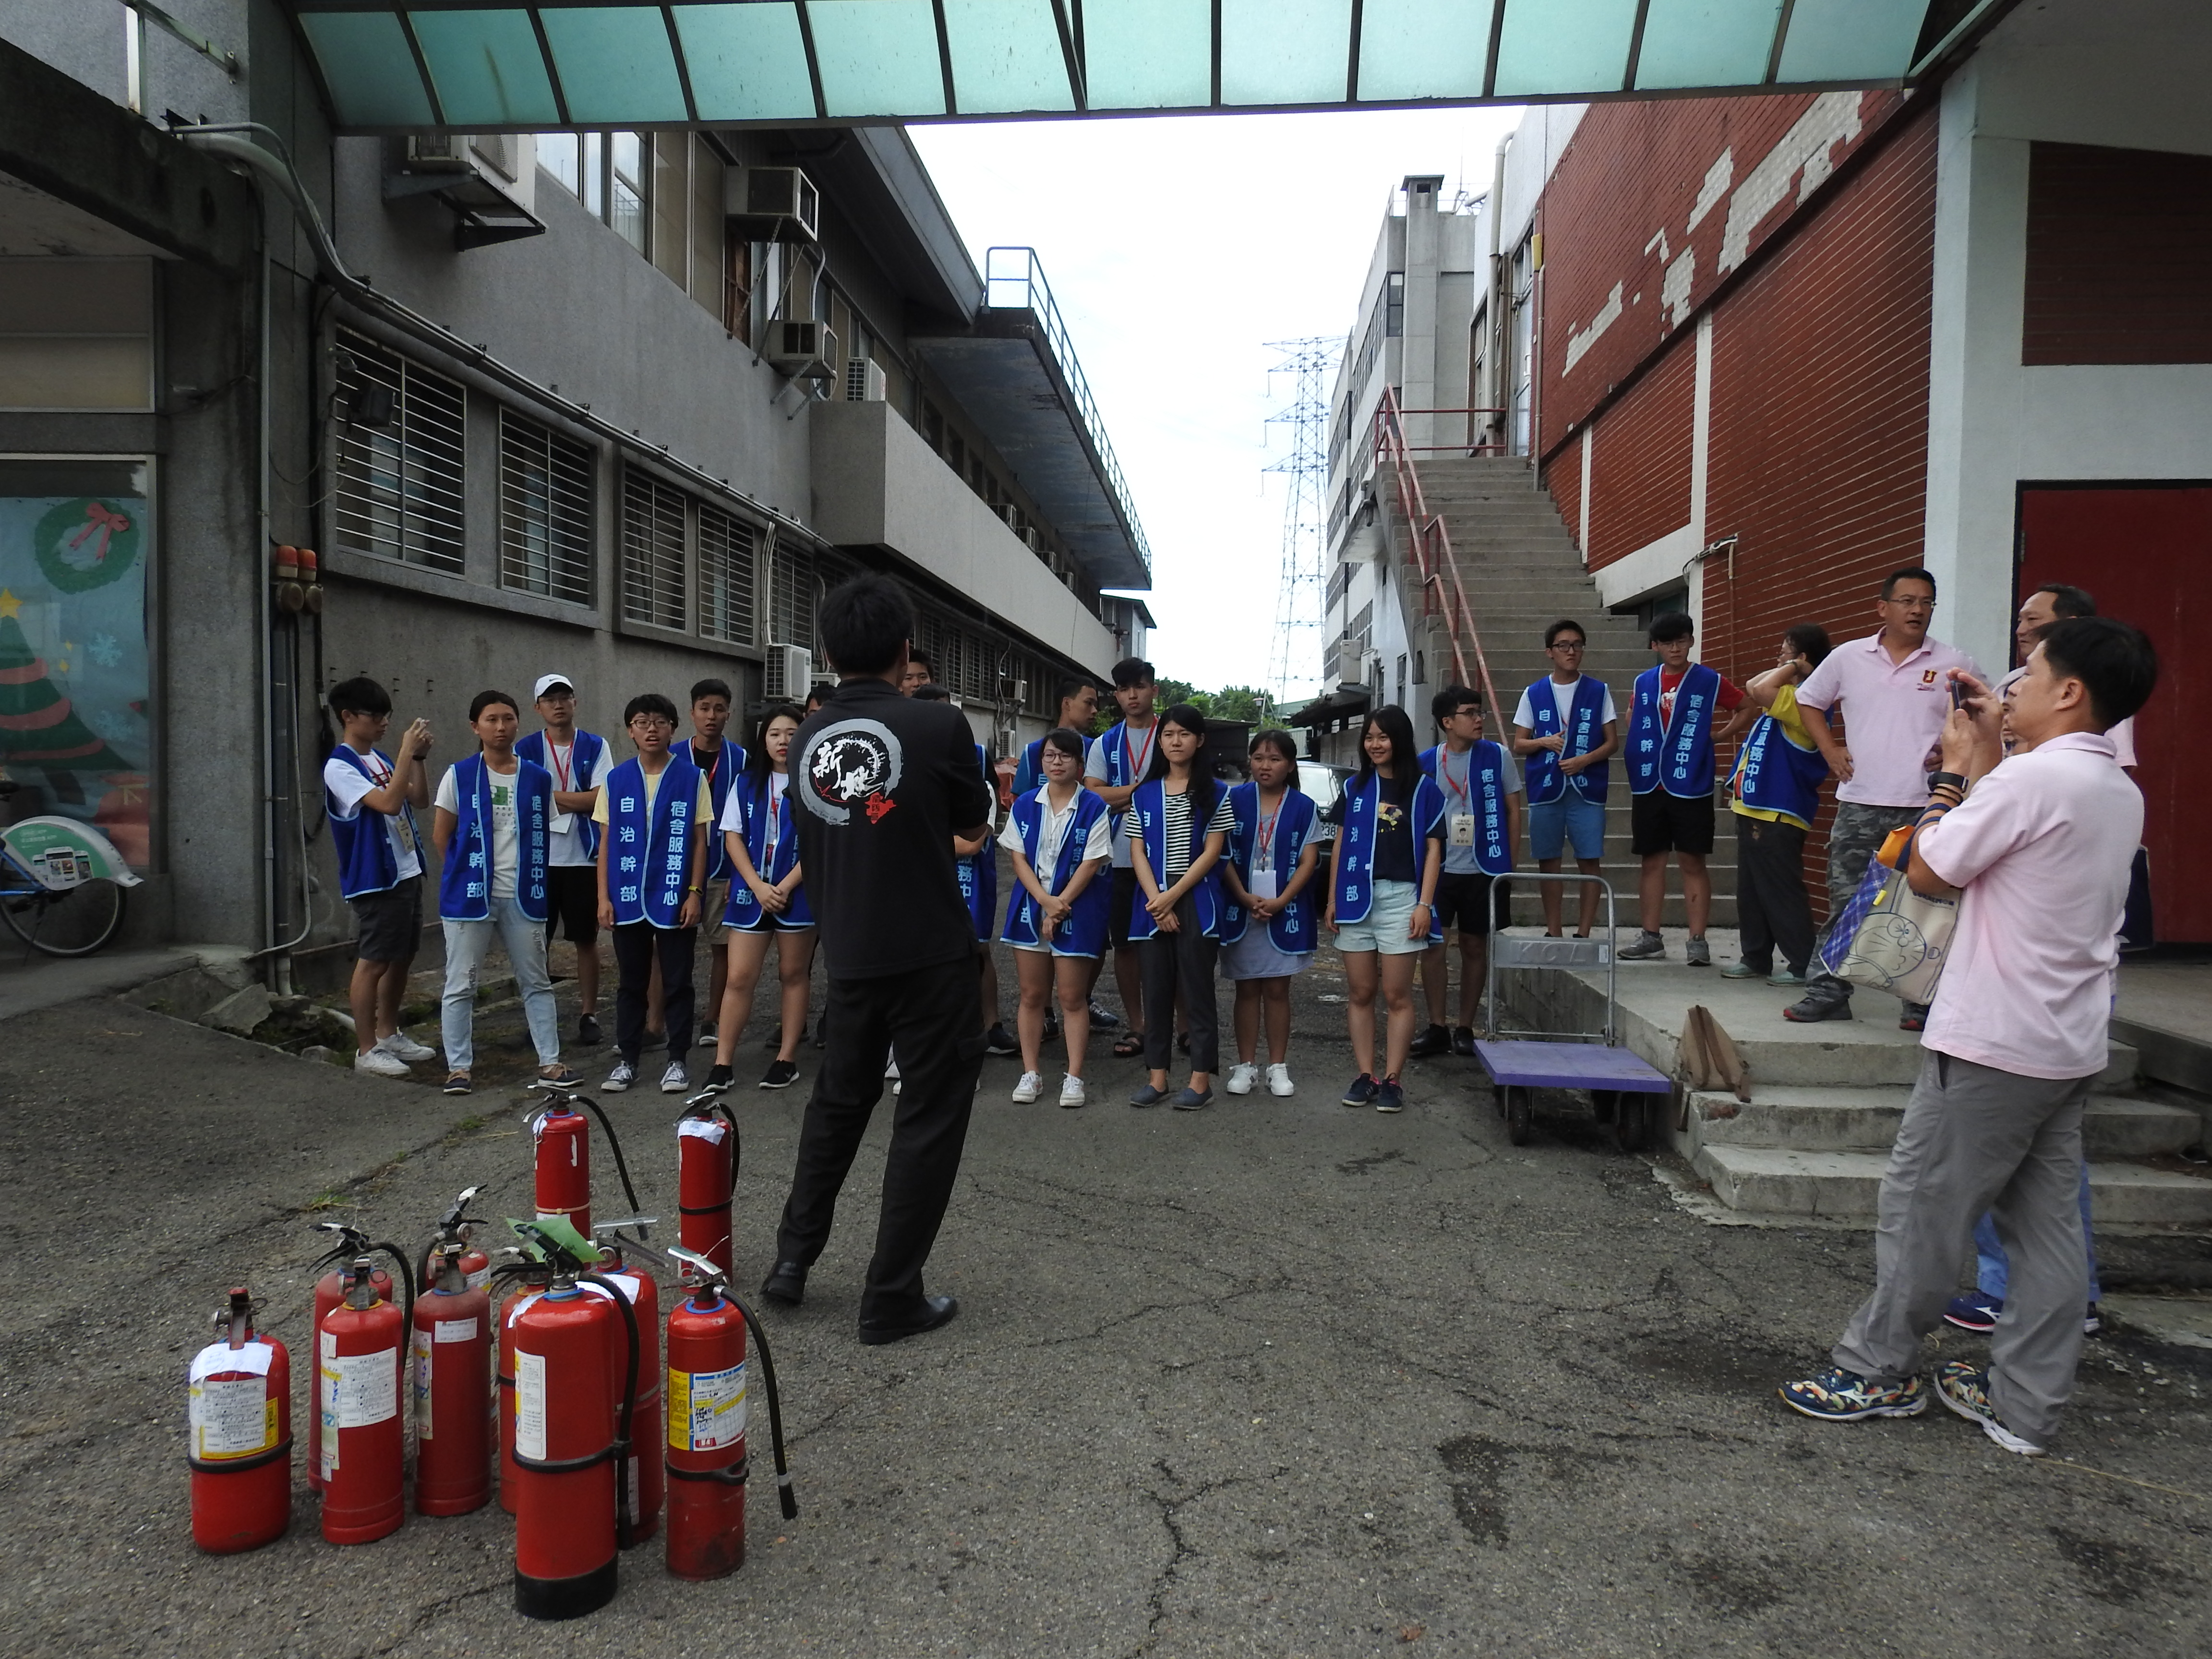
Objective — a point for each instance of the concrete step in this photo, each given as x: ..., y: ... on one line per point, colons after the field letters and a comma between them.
x: 1772, y: 1180
x: 1816, y: 1120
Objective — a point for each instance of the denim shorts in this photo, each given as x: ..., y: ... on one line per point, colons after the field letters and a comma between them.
x: 1389, y: 914
x: 1571, y: 818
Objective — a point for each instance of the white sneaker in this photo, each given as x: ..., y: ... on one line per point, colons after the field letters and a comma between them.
x: 1031, y: 1086
x: 620, y: 1079
x: 1071, y: 1092
x: 707, y: 1032
x: 381, y: 1062
x: 403, y: 1047
x: 1242, y: 1076
x: 1279, y: 1080
x: 675, y: 1080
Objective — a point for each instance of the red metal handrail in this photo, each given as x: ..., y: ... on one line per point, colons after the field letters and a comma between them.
x: 1440, y: 588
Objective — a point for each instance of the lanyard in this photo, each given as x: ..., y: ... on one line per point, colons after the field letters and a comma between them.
x: 1137, y: 759
x: 1264, y: 851
x: 561, y: 773
x: 1464, y: 788
x: 774, y: 813
x: 372, y: 757
x: 710, y: 769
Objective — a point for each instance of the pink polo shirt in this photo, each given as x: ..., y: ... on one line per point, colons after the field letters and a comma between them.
x: 1892, y: 715
x: 2041, y: 852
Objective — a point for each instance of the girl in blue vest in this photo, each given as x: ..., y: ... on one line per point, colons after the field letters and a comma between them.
x: 1271, y: 924
x: 492, y: 832
x: 1178, y: 829
x: 768, y: 903
x: 1777, y: 790
x: 1382, y: 897
x: 1056, y: 919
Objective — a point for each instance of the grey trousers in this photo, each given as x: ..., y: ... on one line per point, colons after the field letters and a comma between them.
x: 1853, y: 840
x: 1978, y: 1138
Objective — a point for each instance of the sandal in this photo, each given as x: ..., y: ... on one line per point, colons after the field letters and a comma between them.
x: 1129, y: 1045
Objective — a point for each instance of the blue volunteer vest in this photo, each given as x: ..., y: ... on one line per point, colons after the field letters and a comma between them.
x: 771, y: 861
x: 649, y: 854
x: 1487, y: 792
x: 367, y: 863
x: 1679, y: 758
x: 1119, y: 776
x: 1585, y: 731
x: 1149, y: 807
x: 979, y: 871
x: 729, y: 762
x: 1355, y: 846
x: 1030, y: 773
x: 1084, y: 933
x: 1775, y: 775
x: 586, y: 756
x: 1296, y: 929
x: 464, y: 885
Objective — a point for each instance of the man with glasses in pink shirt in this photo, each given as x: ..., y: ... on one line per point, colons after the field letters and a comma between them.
x: 1894, y: 688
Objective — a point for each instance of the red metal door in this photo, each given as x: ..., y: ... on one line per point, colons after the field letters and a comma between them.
x: 2146, y: 553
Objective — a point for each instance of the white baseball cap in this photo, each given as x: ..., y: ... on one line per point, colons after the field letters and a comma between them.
x: 547, y: 682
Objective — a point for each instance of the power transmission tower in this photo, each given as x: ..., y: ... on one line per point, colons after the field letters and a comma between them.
x: 1300, y: 604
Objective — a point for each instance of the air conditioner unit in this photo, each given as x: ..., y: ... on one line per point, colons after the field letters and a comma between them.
x: 787, y: 674
x: 863, y: 381
x: 772, y: 204
x: 489, y: 179
x: 802, y: 350
x: 1035, y: 540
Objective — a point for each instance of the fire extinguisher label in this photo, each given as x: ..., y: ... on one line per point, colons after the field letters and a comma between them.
x: 479, y: 1278
x: 710, y: 1130
x: 457, y: 1330
x: 360, y: 1390
x: 530, y: 1406
x: 233, y: 1419
x: 421, y: 1356
x: 706, y: 1409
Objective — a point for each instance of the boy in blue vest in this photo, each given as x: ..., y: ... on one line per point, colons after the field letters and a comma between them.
x: 370, y: 799
x: 493, y: 832
x: 719, y: 763
x: 576, y: 759
x: 1118, y: 763
x: 1482, y: 826
x: 654, y: 815
x: 1776, y: 791
x: 1564, y: 731
x: 1674, y: 722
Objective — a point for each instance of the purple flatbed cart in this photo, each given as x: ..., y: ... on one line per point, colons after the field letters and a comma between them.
x: 1623, y: 1086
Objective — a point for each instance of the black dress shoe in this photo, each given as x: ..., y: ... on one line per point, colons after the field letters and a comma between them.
x: 1462, y: 1039
x: 935, y: 1311
x: 785, y: 1283
x: 1432, y: 1040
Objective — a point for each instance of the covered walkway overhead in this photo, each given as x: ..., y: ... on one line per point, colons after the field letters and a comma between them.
x: 478, y: 65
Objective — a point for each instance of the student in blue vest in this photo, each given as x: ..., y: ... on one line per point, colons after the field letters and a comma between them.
x: 1776, y: 792
x: 1481, y: 787
x: 371, y: 800
x: 493, y: 832
x: 1120, y: 760
x: 718, y: 762
x: 655, y: 816
x: 767, y: 901
x: 1056, y: 835
x: 1382, y: 897
x: 1565, y: 731
x: 1079, y: 707
x: 576, y: 759
x: 1270, y: 927
x: 1178, y: 829
x: 978, y: 866
x: 1674, y: 723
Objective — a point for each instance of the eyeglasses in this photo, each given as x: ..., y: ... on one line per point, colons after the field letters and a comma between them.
x: 1911, y: 604
x: 652, y: 722
x: 1564, y: 645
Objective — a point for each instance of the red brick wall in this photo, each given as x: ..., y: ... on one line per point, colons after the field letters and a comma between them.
x: 1640, y: 458
x: 1564, y: 479
x: 2119, y: 256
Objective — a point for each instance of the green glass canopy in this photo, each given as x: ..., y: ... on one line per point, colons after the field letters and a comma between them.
x: 477, y: 66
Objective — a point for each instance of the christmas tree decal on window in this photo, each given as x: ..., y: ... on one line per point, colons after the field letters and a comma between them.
x: 38, y: 727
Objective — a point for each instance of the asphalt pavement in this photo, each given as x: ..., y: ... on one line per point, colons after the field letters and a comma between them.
x: 1277, y: 1378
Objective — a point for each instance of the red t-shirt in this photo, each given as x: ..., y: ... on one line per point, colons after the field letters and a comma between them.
x: 1731, y: 696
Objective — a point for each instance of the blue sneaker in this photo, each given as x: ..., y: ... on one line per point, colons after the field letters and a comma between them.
x: 1388, y: 1097
x: 1148, y: 1096
x: 1845, y: 1397
x: 1974, y: 1311
x: 1362, y: 1090
x: 1964, y: 1388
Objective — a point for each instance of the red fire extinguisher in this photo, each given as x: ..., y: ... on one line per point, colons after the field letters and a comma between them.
x: 242, y: 1435
x: 534, y: 1277
x: 454, y: 1228
x: 358, y: 1345
x: 563, y: 1140
x: 707, y: 1158
x: 707, y: 1398
x: 572, y: 1513
x: 452, y: 1351
x: 329, y: 1290
x: 641, y: 1473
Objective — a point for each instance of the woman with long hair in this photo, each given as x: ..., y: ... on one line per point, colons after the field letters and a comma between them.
x: 1178, y: 826
x: 1056, y: 918
x: 1268, y: 934
x: 768, y: 903
x: 1382, y: 897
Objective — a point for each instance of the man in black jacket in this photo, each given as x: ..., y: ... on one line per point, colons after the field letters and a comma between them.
x: 884, y: 783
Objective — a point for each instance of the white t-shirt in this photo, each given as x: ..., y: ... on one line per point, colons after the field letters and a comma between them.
x: 1051, y: 835
x: 347, y: 787
x: 1563, y: 699
x: 564, y: 848
x: 1454, y: 780
x: 733, y: 817
x: 506, y: 848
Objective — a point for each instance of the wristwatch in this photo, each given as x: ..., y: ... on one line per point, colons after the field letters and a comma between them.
x: 1946, y: 780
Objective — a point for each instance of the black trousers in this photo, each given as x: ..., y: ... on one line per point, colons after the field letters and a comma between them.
x: 930, y: 1015
x: 635, y: 944
x: 1180, y: 966
x: 1770, y: 906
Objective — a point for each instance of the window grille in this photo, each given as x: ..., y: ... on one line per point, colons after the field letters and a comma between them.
x: 726, y: 577
x: 544, y: 511
x: 652, y: 551
x: 791, y: 598
x: 401, y: 482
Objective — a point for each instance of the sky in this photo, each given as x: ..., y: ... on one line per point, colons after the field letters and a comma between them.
x: 1177, y: 248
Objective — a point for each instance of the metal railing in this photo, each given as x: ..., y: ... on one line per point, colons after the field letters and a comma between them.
x: 1013, y: 280
x: 1442, y: 594
x: 1470, y: 448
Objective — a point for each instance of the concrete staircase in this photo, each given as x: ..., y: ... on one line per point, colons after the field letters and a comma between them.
x: 1522, y: 572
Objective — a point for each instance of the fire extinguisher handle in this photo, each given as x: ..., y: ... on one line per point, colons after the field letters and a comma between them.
x: 625, y: 1523
x: 784, y: 1492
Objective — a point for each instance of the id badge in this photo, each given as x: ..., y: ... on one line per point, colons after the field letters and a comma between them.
x: 561, y: 822
x: 1462, y: 829
x: 1264, y: 885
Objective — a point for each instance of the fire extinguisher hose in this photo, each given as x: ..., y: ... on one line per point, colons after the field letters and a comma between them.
x: 614, y: 1141
x: 785, y: 1494
x: 625, y: 1522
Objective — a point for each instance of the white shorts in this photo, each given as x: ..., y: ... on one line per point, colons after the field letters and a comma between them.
x: 1389, y: 914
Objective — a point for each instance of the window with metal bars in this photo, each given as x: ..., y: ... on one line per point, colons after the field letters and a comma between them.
x: 791, y: 598
x: 726, y: 577
x: 653, y: 536
x: 402, y: 459
x: 544, y: 511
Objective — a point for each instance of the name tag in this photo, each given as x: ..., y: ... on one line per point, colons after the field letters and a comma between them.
x: 1460, y: 832
x: 1265, y: 884
x: 561, y: 822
